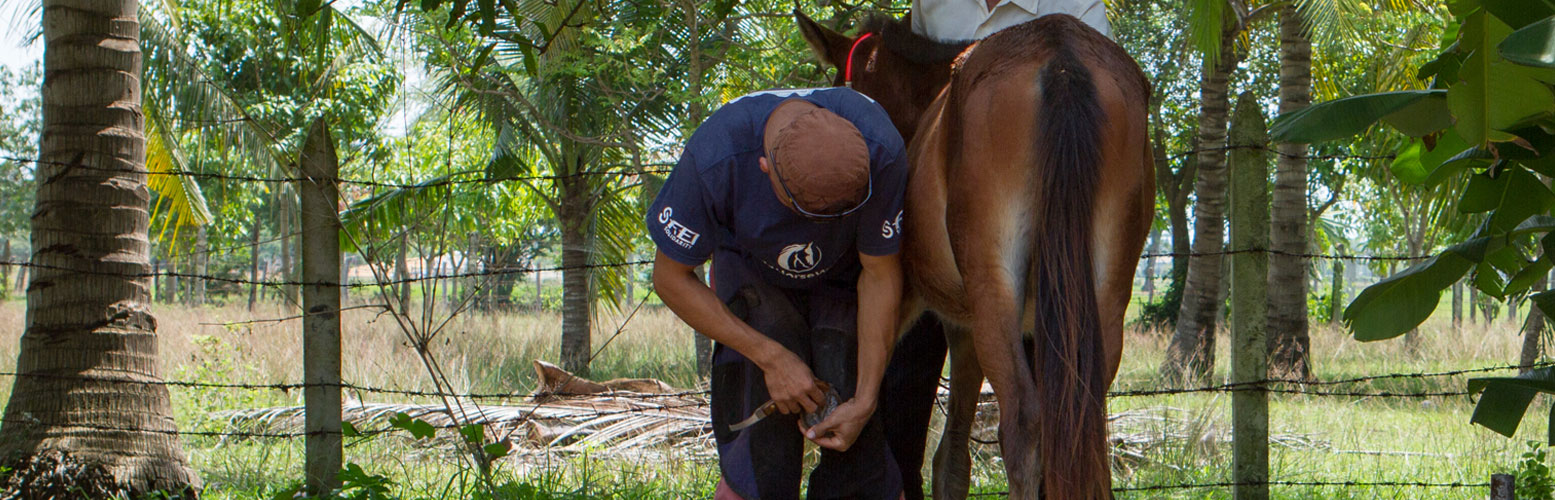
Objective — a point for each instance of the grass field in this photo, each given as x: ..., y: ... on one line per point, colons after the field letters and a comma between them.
x: 1178, y: 439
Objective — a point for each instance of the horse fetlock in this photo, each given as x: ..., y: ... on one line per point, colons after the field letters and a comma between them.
x: 952, y: 472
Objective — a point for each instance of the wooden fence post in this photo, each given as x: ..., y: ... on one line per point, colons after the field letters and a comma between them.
x: 1249, y: 282
x: 1503, y: 487
x: 320, y: 222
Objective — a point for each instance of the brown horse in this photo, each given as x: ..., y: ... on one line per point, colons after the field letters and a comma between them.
x: 1028, y: 203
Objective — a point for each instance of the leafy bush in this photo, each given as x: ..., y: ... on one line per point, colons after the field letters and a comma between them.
x: 1320, y: 308
x: 1533, y: 475
x: 1162, y: 313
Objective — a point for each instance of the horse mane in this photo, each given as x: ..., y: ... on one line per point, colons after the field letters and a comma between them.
x: 898, y: 37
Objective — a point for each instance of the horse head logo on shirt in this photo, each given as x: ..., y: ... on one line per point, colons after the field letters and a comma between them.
x: 799, y: 257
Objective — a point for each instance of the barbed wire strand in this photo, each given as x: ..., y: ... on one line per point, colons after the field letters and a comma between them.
x: 1228, y: 387
x: 447, y: 180
x: 520, y: 271
x: 483, y: 178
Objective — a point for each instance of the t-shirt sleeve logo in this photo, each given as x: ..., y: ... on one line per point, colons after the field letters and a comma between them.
x: 677, y: 232
x: 891, y: 227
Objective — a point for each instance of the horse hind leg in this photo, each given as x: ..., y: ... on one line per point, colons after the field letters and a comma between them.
x: 953, y: 459
x: 994, y: 298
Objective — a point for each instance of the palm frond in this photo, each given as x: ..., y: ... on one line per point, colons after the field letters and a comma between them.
x: 1206, y: 20
x: 193, y: 100
x: 1333, y: 21
x: 179, y: 193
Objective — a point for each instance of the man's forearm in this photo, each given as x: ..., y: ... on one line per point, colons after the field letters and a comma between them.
x: 880, y: 294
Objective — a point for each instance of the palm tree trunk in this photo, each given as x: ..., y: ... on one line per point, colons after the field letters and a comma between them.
x: 576, y: 303
x: 1287, y: 321
x: 86, y: 416
x: 1191, y: 354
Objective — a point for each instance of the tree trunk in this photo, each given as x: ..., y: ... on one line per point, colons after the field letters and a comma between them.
x: 1149, y: 278
x: 1191, y: 354
x: 576, y: 296
x: 1181, y: 243
x: 253, y: 264
x: 288, y: 290
x: 157, y: 280
x: 345, y: 279
x: 170, y: 287
x: 1336, y: 293
x: 704, y: 345
x: 86, y: 416
x: 1457, y: 304
x: 1288, y: 339
x: 21, y: 279
x: 539, y: 286
x: 201, y: 263
x: 1175, y: 188
x: 402, y: 271
x: 1473, y: 303
x: 5, y: 270
x: 1533, y: 330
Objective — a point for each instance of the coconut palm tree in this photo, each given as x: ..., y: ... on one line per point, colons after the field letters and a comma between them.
x: 86, y: 414
x: 1219, y: 29
x: 1216, y: 26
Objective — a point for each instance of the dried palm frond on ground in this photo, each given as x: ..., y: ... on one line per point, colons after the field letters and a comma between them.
x: 569, y: 414
x: 566, y: 413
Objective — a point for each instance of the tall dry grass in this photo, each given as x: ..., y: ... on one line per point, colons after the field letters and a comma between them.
x: 477, y: 351
x: 1335, y: 354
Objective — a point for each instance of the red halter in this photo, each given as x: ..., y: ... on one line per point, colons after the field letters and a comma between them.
x: 847, y: 72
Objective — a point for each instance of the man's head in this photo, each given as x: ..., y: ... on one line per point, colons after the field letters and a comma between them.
x: 817, y: 161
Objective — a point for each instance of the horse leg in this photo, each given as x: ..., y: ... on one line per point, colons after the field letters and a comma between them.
x: 993, y: 267
x: 953, y: 459
x: 997, y: 341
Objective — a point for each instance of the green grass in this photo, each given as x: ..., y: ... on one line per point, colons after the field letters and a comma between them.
x: 1324, y: 439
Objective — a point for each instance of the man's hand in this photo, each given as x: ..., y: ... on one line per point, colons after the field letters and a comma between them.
x: 842, y: 427
x: 791, y: 384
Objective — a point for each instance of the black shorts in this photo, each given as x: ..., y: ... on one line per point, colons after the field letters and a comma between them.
x: 765, y: 461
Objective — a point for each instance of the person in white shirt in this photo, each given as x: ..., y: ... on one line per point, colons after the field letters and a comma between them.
x: 956, y: 20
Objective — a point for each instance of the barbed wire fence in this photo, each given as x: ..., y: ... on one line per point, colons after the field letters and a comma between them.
x: 465, y: 407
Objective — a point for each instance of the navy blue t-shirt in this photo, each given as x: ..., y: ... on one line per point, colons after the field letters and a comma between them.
x: 718, y: 203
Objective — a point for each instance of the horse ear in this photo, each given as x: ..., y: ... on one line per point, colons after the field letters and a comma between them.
x: 830, y: 46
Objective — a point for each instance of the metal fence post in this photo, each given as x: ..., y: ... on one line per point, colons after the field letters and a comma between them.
x: 320, y: 221
x: 1249, y: 282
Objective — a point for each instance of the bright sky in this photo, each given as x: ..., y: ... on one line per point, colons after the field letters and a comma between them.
x: 12, y: 54
x: 18, y: 57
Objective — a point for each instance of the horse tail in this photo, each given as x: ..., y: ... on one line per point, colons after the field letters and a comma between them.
x: 1067, y: 349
